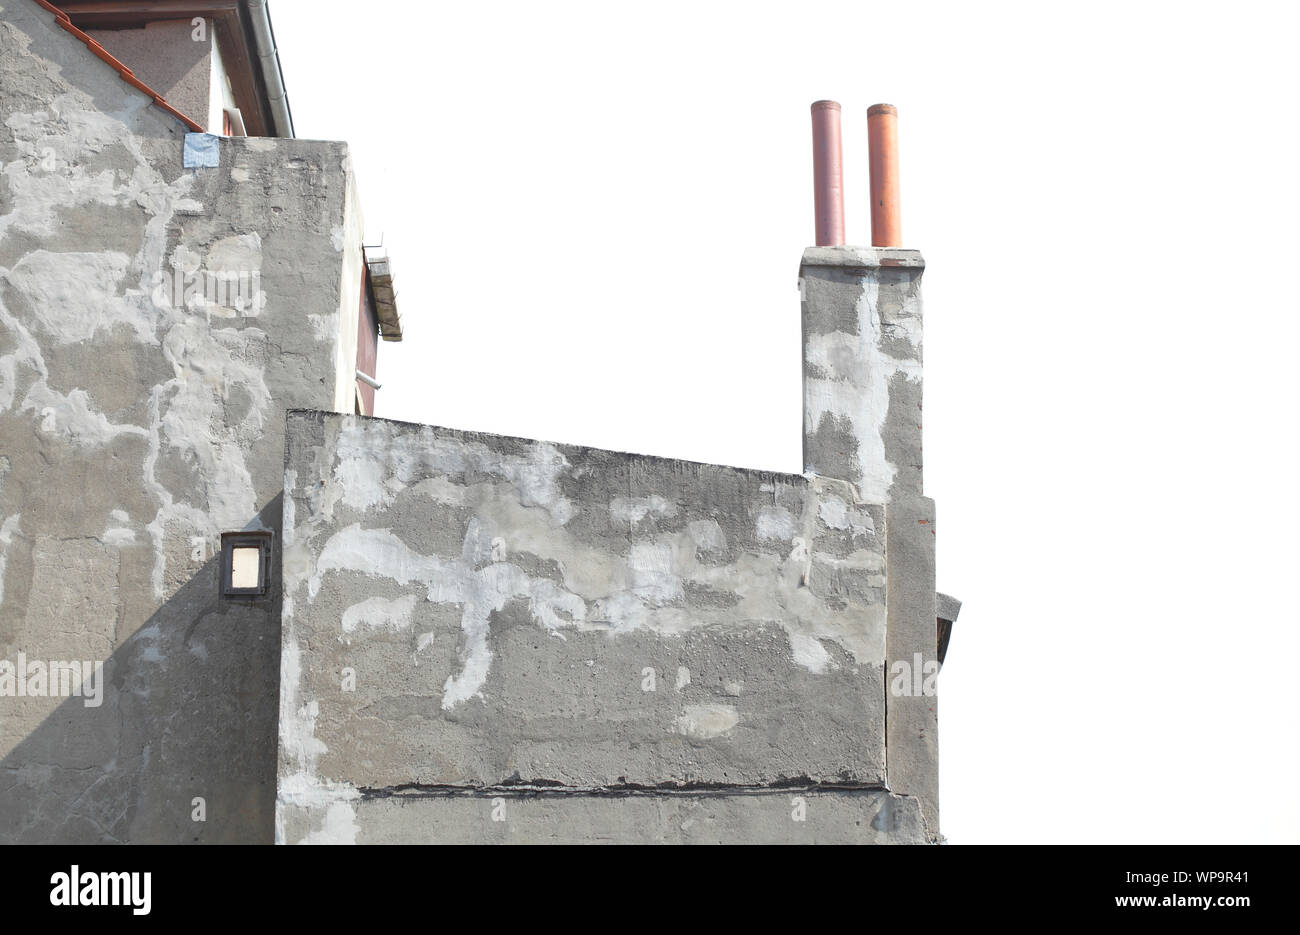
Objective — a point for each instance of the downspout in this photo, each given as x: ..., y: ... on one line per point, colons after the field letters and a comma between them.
x: 268, y: 62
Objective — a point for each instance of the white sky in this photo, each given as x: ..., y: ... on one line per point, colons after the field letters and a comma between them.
x: 596, y: 213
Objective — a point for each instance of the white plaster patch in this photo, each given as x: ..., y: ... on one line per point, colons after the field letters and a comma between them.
x: 186, y: 260
x: 479, y: 591
x: 73, y: 296
x: 339, y: 827
x: 809, y: 652
x: 705, y: 721
x: 854, y: 387
x: 379, y: 552
x: 361, y: 481
x: 378, y: 613
x: 371, y: 451
x: 323, y: 327
x: 300, y: 787
x: 653, y: 578
x: 707, y: 535
x: 441, y: 490
x: 118, y: 536
x: 240, y: 253
x: 7, y: 530
x: 632, y: 510
x: 73, y: 418
x: 288, y: 515
x: 836, y: 514
x: 775, y: 522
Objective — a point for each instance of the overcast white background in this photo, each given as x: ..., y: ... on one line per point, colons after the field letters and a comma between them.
x: 596, y: 214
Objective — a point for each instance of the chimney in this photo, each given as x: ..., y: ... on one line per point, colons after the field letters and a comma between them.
x: 862, y: 326
x: 862, y: 418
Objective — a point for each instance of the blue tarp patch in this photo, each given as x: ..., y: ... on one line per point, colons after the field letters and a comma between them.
x: 201, y: 151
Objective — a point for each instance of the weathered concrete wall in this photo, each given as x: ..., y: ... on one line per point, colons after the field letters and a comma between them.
x: 779, y: 816
x: 468, y: 615
x: 862, y: 368
x: 862, y: 329
x: 483, y: 638
x: 913, y: 654
x: 140, y: 418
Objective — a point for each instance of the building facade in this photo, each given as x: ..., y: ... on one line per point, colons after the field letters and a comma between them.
x: 451, y: 636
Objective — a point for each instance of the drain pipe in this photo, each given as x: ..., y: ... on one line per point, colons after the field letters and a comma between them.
x: 268, y: 62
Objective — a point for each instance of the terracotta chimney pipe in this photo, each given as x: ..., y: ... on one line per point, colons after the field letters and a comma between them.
x: 882, y: 142
x: 828, y: 179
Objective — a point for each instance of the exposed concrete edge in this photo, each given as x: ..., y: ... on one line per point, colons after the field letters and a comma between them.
x: 912, y: 718
x: 856, y: 817
x: 862, y: 257
x: 810, y: 479
x: 352, y: 278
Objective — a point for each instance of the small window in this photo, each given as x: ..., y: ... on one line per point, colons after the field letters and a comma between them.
x: 245, y: 564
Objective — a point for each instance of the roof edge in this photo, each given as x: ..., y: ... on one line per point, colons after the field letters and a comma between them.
x: 123, y: 72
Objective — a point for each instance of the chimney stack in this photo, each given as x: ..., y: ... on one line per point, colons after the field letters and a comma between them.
x: 862, y: 394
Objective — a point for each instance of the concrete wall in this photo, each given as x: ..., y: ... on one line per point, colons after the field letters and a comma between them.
x: 135, y: 427
x: 470, y: 618
x: 477, y: 637
x: 862, y: 331
x: 507, y: 640
x: 862, y: 367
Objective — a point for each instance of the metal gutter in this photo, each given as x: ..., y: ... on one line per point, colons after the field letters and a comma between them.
x: 268, y: 65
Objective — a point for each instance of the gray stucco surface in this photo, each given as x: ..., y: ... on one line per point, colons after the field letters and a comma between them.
x: 468, y: 637
x: 523, y: 614
x: 783, y: 817
x: 174, y: 57
x: 136, y: 425
x: 862, y: 367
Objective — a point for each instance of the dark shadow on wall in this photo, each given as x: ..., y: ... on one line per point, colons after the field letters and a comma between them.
x: 183, y: 746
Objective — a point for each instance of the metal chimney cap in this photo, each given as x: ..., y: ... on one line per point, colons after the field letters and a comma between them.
x: 826, y: 105
x: 875, y: 109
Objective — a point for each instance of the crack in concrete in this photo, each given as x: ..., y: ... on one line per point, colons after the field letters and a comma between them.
x: 540, y: 788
